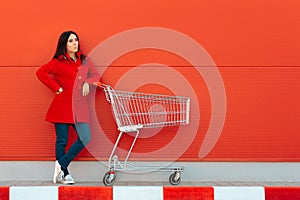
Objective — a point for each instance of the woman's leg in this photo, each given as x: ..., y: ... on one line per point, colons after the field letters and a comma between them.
x: 84, y: 135
x: 62, y: 131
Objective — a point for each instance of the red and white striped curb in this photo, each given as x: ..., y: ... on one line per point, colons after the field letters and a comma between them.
x: 148, y: 193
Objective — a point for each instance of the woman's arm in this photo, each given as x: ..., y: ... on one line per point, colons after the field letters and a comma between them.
x: 93, y: 75
x: 44, y: 72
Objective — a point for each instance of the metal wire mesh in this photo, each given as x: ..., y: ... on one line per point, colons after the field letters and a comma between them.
x: 149, y: 110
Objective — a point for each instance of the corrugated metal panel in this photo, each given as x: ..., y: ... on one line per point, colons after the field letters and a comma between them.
x: 235, y: 33
x: 263, y: 108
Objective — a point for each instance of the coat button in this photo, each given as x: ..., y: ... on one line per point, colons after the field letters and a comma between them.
x: 79, y: 77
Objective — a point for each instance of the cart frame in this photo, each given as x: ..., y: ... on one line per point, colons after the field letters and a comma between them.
x: 131, y: 113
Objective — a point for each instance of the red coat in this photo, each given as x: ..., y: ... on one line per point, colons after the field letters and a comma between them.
x: 70, y: 104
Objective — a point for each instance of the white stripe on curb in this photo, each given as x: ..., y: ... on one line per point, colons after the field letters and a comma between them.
x: 138, y: 192
x: 33, y: 193
x: 239, y: 193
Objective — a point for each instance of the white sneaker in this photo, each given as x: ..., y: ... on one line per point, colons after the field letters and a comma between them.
x: 58, y: 173
x: 68, y: 179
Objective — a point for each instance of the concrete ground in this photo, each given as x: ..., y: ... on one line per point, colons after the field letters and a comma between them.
x: 29, y: 173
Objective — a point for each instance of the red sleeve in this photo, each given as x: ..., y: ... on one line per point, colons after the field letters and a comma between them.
x: 44, y: 75
x: 93, y: 75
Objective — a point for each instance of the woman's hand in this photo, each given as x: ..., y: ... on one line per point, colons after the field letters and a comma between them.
x: 60, y: 90
x: 85, y: 89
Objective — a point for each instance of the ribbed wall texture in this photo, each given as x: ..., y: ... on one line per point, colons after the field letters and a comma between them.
x: 245, y: 109
x: 261, y: 122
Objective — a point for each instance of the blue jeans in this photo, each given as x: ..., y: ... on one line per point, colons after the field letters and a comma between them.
x: 62, y: 132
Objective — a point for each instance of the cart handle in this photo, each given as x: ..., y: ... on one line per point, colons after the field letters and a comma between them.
x: 106, y: 88
x: 102, y: 85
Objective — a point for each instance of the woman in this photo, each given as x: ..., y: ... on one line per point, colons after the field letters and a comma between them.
x: 70, y: 74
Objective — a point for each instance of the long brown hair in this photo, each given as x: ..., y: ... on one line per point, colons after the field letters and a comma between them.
x: 61, y: 48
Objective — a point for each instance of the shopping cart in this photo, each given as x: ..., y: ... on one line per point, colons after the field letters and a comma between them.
x: 133, y: 111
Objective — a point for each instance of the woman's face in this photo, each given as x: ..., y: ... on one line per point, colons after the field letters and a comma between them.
x: 72, y: 44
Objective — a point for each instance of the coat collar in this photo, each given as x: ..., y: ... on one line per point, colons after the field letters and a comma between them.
x: 66, y: 56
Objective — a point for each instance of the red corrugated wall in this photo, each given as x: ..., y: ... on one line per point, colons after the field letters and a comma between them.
x: 254, y: 44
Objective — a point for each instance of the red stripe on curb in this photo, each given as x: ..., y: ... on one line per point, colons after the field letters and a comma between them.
x: 282, y: 193
x: 188, y: 193
x: 84, y: 192
x: 4, y: 193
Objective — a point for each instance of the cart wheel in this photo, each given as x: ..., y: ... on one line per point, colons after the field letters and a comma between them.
x: 109, y: 179
x: 175, y: 178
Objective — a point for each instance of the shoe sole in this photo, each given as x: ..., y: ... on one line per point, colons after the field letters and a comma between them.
x: 68, y: 182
